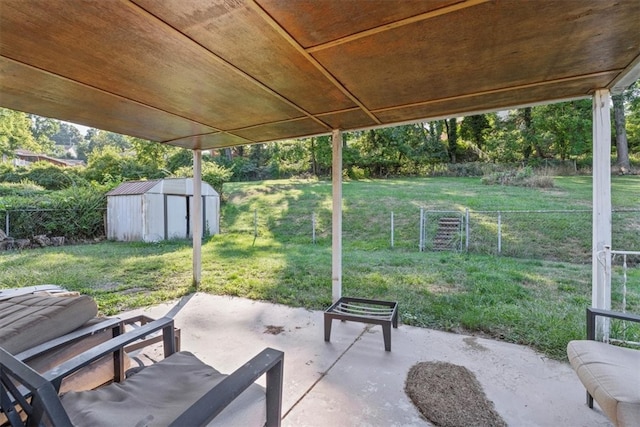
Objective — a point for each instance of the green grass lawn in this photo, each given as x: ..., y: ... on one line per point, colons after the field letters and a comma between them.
x: 539, y: 303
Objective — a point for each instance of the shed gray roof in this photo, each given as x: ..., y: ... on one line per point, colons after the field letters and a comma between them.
x: 133, y: 187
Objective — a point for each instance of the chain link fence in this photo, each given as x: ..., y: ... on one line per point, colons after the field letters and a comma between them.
x: 560, y: 235
x: 73, y: 224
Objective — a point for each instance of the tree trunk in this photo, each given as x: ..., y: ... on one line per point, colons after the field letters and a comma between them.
x: 528, y: 132
x: 622, y: 147
x: 452, y: 137
x: 314, y: 162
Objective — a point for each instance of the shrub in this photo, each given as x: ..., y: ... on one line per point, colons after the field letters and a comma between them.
x: 356, y: 172
x: 212, y: 173
x: 76, y: 213
x: 25, y: 188
x: 53, y: 177
x: 539, y: 181
x: 523, y: 177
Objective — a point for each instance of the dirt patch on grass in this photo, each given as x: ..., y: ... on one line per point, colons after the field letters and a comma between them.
x: 450, y: 396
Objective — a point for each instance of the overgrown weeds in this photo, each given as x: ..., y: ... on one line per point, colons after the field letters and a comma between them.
x: 523, y: 177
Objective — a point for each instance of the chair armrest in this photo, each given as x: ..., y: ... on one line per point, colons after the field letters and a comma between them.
x: 31, y: 394
x: 592, y: 313
x: 113, y: 323
x: 269, y: 362
x: 114, y: 345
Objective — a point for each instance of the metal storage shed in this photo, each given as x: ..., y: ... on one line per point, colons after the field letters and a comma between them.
x: 158, y: 210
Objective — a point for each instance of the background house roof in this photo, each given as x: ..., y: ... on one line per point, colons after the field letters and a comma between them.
x: 210, y: 74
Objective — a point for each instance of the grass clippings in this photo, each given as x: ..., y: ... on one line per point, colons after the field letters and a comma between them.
x: 450, y: 396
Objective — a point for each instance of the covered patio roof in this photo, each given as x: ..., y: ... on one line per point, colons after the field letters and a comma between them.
x: 204, y: 74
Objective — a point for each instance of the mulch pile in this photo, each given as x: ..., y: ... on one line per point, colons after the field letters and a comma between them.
x: 450, y: 396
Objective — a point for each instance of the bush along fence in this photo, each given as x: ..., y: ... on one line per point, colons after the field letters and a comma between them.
x: 558, y: 235
x: 20, y: 229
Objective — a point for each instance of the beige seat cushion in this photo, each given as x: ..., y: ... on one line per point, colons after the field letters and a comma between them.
x: 30, y: 320
x: 611, y: 374
x: 158, y: 394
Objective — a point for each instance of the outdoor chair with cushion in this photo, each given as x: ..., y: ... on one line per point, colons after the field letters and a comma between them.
x: 610, y: 373
x: 179, y: 390
x: 45, y: 330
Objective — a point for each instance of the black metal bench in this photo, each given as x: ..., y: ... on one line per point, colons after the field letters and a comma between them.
x: 384, y: 313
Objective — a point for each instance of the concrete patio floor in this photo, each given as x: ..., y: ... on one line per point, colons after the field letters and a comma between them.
x: 352, y: 381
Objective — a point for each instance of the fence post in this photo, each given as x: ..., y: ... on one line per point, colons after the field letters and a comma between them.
x: 499, y: 233
x: 6, y: 230
x: 466, y: 229
x: 391, y: 229
x: 624, y: 283
x: 421, y: 244
x: 255, y: 223
x: 313, y: 228
x: 603, y: 324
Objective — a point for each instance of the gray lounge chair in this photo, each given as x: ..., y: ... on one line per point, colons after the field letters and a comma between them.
x: 179, y: 390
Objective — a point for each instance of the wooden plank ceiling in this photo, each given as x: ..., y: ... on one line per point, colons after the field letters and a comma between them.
x: 206, y: 74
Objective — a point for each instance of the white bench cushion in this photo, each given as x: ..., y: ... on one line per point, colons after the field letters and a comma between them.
x: 611, y: 374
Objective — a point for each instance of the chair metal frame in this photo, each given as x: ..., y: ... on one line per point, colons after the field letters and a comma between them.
x: 36, y: 395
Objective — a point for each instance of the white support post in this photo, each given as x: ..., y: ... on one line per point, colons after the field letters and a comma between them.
x: 196, y: 217
x: 336, y: 218
x: 601, y: 280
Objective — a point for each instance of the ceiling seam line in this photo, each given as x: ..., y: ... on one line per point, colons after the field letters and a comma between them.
x: 168, y: 141
x: 277, y: 122
x: 396, y: 24
x: 344, y: 110
x: 108, y: 93
x: 492, y: 91
x: 235, y: 69
x: 293, y: 42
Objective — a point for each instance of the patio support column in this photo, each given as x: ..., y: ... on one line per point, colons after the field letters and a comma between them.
x: 601, y: 280
x: 336, y: 216
x: 196, y: 217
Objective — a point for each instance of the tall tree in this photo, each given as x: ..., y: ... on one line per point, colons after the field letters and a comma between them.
x: 473, y: 128
x: 67, y: 135
x: 625, y: 104
x: 622, y: 147
x: 452, y: 138
x: 564, y: 128
x: 151, y: 154
x: 632, y: 115
x: 15, y: 132
x: 98, y: 139
x: 43, y: 130
x: 504, y: 142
